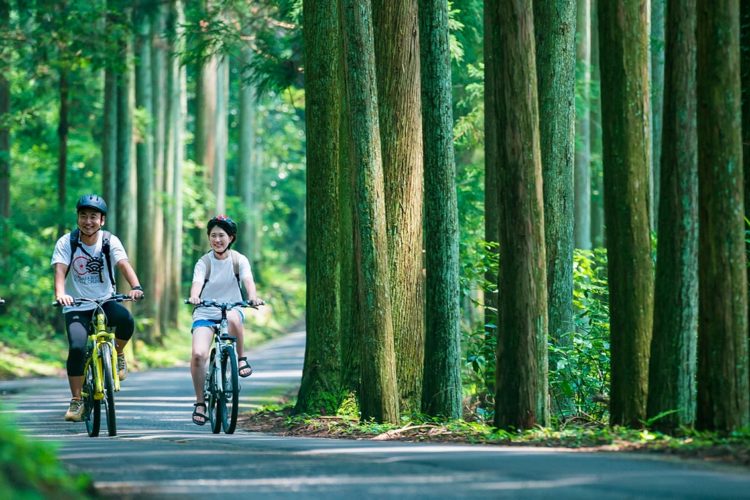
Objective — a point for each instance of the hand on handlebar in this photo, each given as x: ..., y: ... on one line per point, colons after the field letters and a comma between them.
x: 255, y: 302
x: 135, y: 294
x: 65, y: 300
x: 193, y: 300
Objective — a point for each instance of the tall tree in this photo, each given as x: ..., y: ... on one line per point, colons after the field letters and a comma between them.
x: 657, y: 24
x: 248, y: 164
x: 320, y: 389
x: 396, y: 29
x: 582, y: 175
x: 145, y: 164
x: 673, y: 347
x: 555, y: 30
x: 125, y: 175
x: 595, y: 127
x: 623, y: 32
x: 63, y: 126
x: 745, y: 79
x: 521, y: 388
x: 4, y: 117
x: 723, y: 391
x: 492, y: 160
x: 379, y: 393
x: 158, y: 46
x: 441, y: 387
x: 221, y: 135
x: 176, y: 104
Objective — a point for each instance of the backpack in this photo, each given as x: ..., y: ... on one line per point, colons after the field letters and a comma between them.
x: 75, y: 242
x: 235, y: 266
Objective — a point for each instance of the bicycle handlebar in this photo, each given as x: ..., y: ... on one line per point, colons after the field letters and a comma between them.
x: 224, y: 305
x: 117, y: 297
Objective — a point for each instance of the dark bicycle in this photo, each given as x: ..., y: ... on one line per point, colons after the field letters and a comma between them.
x: 222, y: 387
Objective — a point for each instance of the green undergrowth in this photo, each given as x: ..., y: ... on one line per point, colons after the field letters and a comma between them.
x: 687, y: 443
x: 31, y: 470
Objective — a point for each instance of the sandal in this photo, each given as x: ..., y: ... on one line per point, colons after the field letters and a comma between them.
x: 199, y: 418
x: 247, y: 369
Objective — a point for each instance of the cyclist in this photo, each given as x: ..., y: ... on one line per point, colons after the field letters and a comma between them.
x: 83, y: 261
x: 218, y: 275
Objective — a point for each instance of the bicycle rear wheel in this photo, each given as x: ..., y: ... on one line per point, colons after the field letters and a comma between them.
x: 109, y: 389
x: 213, y: 394
x: 230, y: 384
x: 92, y: 408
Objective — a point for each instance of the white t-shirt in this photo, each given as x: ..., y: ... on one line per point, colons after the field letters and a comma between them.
x: 222, y: 283
x: 88, y: 275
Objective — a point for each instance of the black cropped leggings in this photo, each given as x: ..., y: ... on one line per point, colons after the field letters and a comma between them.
x: 77, y: 324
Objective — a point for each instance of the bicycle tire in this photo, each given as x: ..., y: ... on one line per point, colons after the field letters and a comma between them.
x: 92, y: 408
x: 213, y: 395
x: 109, y: 389
x: 230, y: 384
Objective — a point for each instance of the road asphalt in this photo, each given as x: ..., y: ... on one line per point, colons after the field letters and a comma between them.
x: 160, y: 454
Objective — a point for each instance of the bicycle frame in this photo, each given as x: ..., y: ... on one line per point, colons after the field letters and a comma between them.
x: 99, y: 337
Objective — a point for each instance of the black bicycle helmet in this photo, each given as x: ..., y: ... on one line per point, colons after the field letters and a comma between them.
x: 223, y: 222
x: 93, y: 201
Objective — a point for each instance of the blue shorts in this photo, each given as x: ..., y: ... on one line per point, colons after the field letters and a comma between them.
x: 211, y: 322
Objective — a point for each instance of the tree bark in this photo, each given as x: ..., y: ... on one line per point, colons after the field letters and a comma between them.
x: 723, y: 391
x: 441, y: 388
x: 658, y: 8
x: 379, y: 393
x: 109, y: 144
x: 521, y: 397
x: 396, y: 29
x: 598, y: 239
x: 582, y: 176
x: 320, y: 390
x: 673, y: 347
x: 493, y: 158
x: 248, y: 164
x: 625, y: 113
x: 145, y: 169
x: 4, y: 125
x: 125, y: 177
x: 555, y: 29
x: 222, y: 139
x: 62, y: 149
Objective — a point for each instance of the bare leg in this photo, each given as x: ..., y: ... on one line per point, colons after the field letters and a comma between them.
x: 202, y: 338
x: 76, y: 385
x: 236, y: 329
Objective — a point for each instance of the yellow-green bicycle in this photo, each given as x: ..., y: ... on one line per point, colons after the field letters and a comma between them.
x: 100, y: 378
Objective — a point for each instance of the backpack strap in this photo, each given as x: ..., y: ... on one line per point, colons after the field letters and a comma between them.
x: 235, y: 266
x: 74, y: 243
x: 74, y: 235
x: 106, y: 235
x: 207, y: 263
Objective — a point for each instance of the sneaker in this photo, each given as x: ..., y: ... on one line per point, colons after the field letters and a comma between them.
x: 75, y: 411
x: 122, y: 366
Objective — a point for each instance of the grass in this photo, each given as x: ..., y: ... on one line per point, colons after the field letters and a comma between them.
x: 706, y: 446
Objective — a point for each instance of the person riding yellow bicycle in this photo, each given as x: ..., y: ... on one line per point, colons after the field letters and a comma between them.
x: 218, y: 275
x: 84, y: 262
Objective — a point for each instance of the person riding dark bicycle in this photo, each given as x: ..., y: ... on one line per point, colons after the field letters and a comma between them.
x: 218, y: 276
x: 84, y: 262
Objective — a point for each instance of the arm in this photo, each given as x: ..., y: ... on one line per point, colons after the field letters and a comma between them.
x: 252, y: 293
x: 127, y: 271
x: 60, y: 295
x: 195, y: 290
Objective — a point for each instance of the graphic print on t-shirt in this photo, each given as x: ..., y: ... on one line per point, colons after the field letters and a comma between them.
x: 88, y: 269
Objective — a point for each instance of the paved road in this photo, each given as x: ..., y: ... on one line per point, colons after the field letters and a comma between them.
x: 159, y: 453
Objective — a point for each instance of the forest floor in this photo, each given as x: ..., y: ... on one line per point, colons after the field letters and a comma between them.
x: 705, y: 447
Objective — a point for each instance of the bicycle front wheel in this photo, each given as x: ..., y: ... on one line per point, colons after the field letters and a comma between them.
x: 213, y: 394
x: 230, y: 384
x: 92, y: 408
x: 109, y: 388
